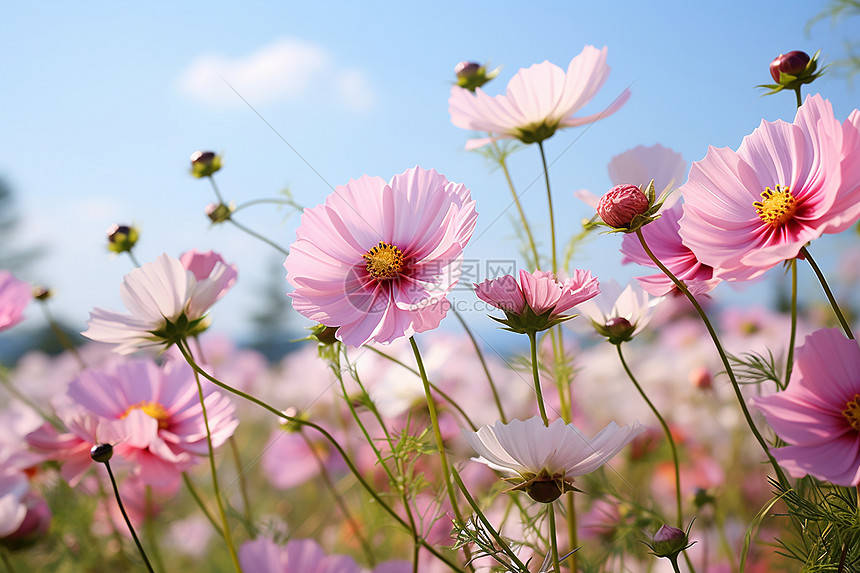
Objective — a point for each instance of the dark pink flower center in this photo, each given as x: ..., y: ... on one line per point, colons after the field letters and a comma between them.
x: 776, y: 207
x: 384, y: 261
x: 852, y: 412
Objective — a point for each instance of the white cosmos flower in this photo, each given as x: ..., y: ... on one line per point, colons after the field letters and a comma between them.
x: 609, y: 309
x: 166, y: 302
x: 547, y: 457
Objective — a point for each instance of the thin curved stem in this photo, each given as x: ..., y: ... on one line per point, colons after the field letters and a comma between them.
x: 726, y: 364
x: 215, y: 188
x: 480, y: 354
x: 845, y: 327
x: 503, y: 164
x: 434, y: 420
x: 225, y: 525
x: 666, y: 430
x: 127, y: 520
x: 549, y: 203
x: 330, y: 439
x: 133, y: 258
x: 253, y: 202
x: 789, y: 362
x: 240, y: 471
x: 189, y: 485
x: 257, y: 235
x: 536, y: 375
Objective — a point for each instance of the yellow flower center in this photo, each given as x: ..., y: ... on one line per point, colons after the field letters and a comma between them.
x: 776, y: 207
x: 852, y: 412
x: 151, y: 409
x: 384, y: 261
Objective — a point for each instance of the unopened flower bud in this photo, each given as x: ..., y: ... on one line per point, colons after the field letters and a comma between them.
x: 219, y: 212
x: 701, y: 378
x: 792, y: 64
x: 36, y: 523
x: 668, y: 542
x: 102, y: 453
x: 204, y: 163
x: 621, y: 204
x: 121, y: 238
x: 472, y: 75
x: 42, y: 293
x: 325, y: 334
x: 617, y: 329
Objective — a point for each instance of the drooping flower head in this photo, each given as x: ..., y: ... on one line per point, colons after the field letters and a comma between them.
x: 15, y: 295
x: 377, y: 259
x: 152, y: 415
x: 539, y: 300
x: 748, y: 210
x: 539, y: 100
x: 547, y: 458
x: 819, y: 414
x: 167, y: 302
x: 619, y: 314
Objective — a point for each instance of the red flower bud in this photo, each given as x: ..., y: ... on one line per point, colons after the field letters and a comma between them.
x: 791, y: 63
x: 620, y: 204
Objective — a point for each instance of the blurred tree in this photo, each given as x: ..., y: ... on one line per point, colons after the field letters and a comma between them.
x: 272, y: 318
x: 10, y: 257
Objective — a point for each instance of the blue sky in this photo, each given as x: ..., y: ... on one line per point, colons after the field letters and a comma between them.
x: 102, y: 108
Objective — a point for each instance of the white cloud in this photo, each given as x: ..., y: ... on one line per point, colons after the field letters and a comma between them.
x: 285, y: 71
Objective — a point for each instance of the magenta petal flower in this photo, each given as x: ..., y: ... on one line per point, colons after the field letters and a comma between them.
x: 788, y: 183
x: 153, y: 416
x: 663, y: 238
x: 378, y: 259
x: 14, y: 297
x: 819, y: 414
x: 262, y: 555
x: 539, y: 100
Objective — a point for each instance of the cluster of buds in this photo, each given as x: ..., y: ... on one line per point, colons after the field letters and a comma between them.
x: 472, y: 75
x: 626, y: 208
x: 792, y: 70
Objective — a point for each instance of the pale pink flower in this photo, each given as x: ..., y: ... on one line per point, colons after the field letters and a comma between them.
x: 642, y: 164
x: 615, y: 310
x: 13, y: 509
x: 72, y: 448
x: 663, y: 238
x: 540, y: 290
x: 167, y: 302
x: 788, y: 183
x: 14, y: 297
x: 378, y: 259
x: 555, y: 453
x: 539, y: 100
x: 263, y: 555
x: 819, y: 414
x: 153, y: 415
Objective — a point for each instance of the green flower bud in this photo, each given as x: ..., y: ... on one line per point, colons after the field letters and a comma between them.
x: 121, y: 238
x: 204, y: 163
x: 472, y: 75
x: 219, y: 212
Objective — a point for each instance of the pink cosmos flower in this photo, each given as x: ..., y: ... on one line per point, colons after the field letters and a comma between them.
x: 538, y: 293
x: 819, y: 413
x: 14, y: 297
x: 539, y: 100
x: 642, y: 164
x: 167, y: 302
x: 619, y: 314
x: 663, y: 238
x: 749, y: 210
x: 377, y: 259
x: 153, y: 416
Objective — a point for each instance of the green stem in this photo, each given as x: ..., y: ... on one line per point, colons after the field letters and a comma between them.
x: 526, y: 227
x: 228, y: 537
x: 433, y: 387
x: 665, y: 426
x: 4, y: 556
x: 149, y: 530
x: 434, y: 420
x: 674, y: 561
x: 240, y: 470
x: 189, y: 485
x: 133, y: 258
x: 127, y: 520
x: 549, y: 203
x: 726, y: 364
x: 847, y: 329
x: 330, y: 439
x: 797, y: 96
x: 215, y: 188
x: 536, y: 375
x: 483, y: 365
x: 789, y: 362
x: 572, y: 533
x: 257, y: 235
x: 553, y: 538
x: 253, y: 202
